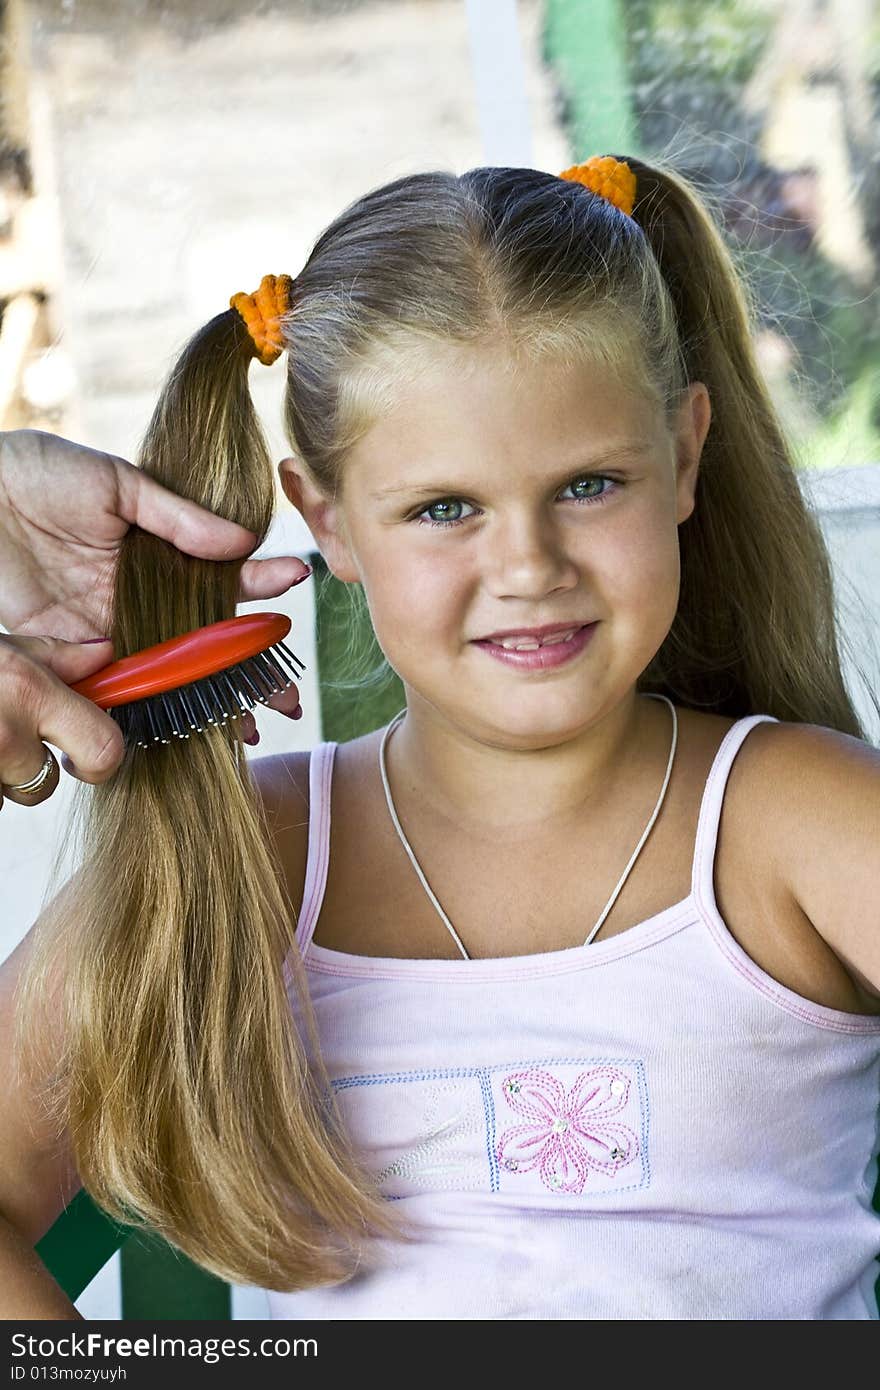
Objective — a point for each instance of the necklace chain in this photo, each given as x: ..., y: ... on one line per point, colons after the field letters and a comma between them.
x: 418, y: 868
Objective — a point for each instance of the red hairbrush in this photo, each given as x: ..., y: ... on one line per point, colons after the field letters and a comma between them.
x: 201, y: 678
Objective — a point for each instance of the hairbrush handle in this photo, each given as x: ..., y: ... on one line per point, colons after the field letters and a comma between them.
x: 182, y: 660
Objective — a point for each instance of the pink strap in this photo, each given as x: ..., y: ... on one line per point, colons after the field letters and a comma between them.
x: 702, y: 885
x: 317, y: 863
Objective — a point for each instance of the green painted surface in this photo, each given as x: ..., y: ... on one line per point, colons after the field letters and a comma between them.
x: 157, y: 1281
x: 348, y: 649
x: 584, y: 41
x: 79, y: 1244
x: 160, y: 1283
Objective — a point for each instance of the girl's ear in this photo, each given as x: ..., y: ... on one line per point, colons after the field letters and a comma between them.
x: 323, y: 518
x: 695, y: 416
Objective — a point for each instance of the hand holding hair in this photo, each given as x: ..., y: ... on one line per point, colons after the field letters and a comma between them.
x: 64, y: 511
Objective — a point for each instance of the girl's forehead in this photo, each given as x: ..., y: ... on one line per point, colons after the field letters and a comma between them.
x: 459, y: 370
x: 477, y: 402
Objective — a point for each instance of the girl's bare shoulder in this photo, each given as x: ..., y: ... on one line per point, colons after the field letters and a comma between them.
x: 282, y: 784
x: 38, y: 1175
x: 814, y: 799
x: 797, y: 858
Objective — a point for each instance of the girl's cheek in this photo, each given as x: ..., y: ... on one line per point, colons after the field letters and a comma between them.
x: 417, y: 609
x: 429, y: 586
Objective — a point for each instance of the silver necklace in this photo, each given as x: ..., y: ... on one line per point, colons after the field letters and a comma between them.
x: 621, y: 881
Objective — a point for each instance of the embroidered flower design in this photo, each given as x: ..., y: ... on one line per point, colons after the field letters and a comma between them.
x: 568, y: 1135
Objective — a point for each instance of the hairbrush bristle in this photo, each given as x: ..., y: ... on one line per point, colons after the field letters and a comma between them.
x: 210, y: 702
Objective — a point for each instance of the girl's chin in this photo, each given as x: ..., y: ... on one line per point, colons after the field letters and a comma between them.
x: 526, y: 722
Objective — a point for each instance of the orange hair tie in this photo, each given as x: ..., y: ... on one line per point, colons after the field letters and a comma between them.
x: 262, y: 311
x: 611, y: 178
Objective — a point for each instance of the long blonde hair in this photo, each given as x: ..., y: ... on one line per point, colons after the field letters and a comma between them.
x: 193, y: 1102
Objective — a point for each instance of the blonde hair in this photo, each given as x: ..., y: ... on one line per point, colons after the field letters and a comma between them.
x: 193, y: 1102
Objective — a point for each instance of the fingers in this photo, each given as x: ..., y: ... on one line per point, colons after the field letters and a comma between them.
x: 248, y: 731
x: 269, y: 578
x: 285, y: 702
x: 146, y: 503
x: 36, y: 704
x: 197, y: 531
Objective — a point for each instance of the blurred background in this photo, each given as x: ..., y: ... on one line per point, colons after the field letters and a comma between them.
x: 156, y: 157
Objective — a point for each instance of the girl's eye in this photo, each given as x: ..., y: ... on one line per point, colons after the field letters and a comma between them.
x: 590, y: 479
x: 446, y: 507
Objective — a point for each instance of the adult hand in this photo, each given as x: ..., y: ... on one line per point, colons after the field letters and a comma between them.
x: 64, y: 510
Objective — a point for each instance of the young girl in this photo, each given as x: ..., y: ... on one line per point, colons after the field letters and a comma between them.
x: 585, y: 931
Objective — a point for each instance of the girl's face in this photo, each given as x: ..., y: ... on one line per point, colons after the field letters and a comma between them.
x: 490, y: 501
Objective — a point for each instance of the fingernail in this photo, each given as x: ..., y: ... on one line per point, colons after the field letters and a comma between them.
x: 90, y: 641
x: 302, y: 576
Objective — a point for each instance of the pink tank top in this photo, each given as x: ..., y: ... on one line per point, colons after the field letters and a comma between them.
x: 646, y: 1127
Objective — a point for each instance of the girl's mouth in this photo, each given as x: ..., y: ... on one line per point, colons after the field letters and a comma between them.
x: 528, y: 654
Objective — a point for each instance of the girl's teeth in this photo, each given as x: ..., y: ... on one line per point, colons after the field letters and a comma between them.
x: 530, y: 644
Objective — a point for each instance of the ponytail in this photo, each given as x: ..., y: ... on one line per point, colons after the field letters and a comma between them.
x: 191, y: 1104
x: 756, y: 626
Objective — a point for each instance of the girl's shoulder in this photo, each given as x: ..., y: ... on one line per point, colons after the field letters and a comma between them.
x: 282, y: 783
x: 813, y: 795
x: 798, y: 853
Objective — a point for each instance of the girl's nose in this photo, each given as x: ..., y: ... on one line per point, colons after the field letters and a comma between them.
x: 526, y: 558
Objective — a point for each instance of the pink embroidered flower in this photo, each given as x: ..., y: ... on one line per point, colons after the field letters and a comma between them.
x: 567, y: 1135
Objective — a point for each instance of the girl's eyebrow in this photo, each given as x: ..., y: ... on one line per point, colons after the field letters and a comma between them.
x: 637, y: 448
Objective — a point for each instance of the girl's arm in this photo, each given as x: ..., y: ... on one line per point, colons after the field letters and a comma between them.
x: 37, y: 1174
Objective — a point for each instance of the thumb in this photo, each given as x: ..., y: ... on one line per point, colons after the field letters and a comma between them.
x: 194, y: 529
x: 73, y: 661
